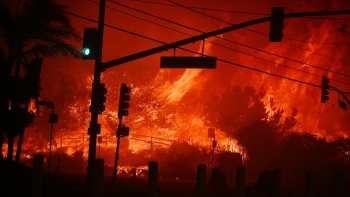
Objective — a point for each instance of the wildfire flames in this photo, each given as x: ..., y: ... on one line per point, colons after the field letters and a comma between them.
x: 166, y: 104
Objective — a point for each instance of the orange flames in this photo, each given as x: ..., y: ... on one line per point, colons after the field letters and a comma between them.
x: 166, y: 104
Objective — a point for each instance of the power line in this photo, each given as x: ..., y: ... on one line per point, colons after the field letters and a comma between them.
x: 305, y: 41
x: 258, y: 32
x: 264, y: 34
x: 232, y: 11
x: 222, y: 60
x: 141, y: 18
x: 222, y: 45
x: 332, y: 58
x: 300, y: 62
x: 260, y: 49
x: 323, y: 113
x: 322, y: 18
x: 201, y: 8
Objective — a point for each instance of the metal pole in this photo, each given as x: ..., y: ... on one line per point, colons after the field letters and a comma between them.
x: 151, y: 143
x: 240, y: 181
x: 213, y: 153
x: 201, y: 180
x: 50, y: 141
x: 116, y: 160
x: 37, y: 176
x: 310, y: 184
x: 152, y: 178
x: 97, y: 77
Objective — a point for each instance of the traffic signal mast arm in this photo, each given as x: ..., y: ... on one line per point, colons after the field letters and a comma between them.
x: 340, y: 92
x: 193, y: 39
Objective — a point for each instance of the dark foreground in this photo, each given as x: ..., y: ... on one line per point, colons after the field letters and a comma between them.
x: 15, y: 181
x: 68, y: 184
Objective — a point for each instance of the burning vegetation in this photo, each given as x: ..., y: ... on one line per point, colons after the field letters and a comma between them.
x: 269, y: 120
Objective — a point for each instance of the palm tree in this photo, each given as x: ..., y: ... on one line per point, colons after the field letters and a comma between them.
x: 39, y: 28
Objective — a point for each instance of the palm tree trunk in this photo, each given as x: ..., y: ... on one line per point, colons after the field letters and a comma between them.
x: 19, y: 145
x: 11, y: 141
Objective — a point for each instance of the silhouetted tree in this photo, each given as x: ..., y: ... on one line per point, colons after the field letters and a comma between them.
x: 39, y: 28
x: 181, y: 160
x: 343, y: 147
x: 299, y: 152
x: 260, y: 141
x: 234, y: 109
x: 242, y: 114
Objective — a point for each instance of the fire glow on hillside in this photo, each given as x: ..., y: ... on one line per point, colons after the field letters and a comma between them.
x: 166, y: 105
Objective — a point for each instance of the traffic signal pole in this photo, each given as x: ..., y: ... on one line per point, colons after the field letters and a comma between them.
x: 124, y: 98
x: 94, y: 114
x: 116, y: 154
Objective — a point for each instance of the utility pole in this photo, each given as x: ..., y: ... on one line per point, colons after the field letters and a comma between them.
x: 94, y: 129
x: 122, y: 131
x: 53, y: 118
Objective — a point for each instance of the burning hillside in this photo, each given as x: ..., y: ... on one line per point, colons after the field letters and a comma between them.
x: 167, y: 106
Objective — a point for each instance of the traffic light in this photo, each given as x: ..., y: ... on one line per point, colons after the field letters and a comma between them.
x: 98, y: 98
x: 89, y: 43
x: 325, y: 87
x: 94, y: 129
x: 124, y: 101
x: 123, y: 131
x: 276, y: 25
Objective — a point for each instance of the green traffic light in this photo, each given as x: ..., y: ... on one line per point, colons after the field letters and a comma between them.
x: 86, y: 51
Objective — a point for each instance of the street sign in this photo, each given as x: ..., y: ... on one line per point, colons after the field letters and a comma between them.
x: 188, y: 62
